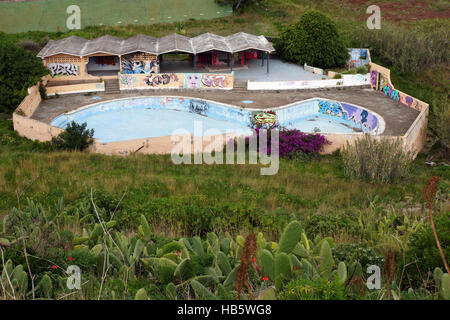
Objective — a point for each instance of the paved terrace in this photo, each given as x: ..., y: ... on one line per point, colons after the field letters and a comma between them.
x: 398, y: 117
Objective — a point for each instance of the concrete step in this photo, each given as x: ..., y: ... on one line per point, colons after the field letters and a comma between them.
x: 112, y: 86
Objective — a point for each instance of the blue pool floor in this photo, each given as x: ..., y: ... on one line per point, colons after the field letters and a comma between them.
x: 148, y: 123
x: 323, y: 123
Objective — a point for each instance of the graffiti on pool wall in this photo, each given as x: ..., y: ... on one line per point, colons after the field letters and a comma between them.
x: 349, y: 112
x: 200, y: 107
x: 156, y: 80
x: 63, y: 69
x: 265, y: 120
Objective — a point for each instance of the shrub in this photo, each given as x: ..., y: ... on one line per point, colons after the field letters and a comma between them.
x: 439, y: 120
x: 42, y: 91
x: 377, y: 160
x: 422, y: 245
x: 317, y: 289
x: 349, y: 252
x: 75, y: 137
x: 294, y: 144
x: 19, y: 70
x: 314, y: 40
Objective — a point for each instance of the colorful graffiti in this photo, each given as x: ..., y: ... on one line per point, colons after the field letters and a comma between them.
x: 128, y: 81
x: 358, y: 58
x: 391, y: 92
x: 139, y: 63
x: 212, y: 81
x: 373, y: 78
x: 156, y: 80
x: 192, y: 81
x: 266, y: 119
x: 63, y: 69
x: 195, y: 81
x: 349, y: 112
x: 139, y: 67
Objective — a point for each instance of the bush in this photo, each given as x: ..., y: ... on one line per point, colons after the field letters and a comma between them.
x: 294, y: 144
x: 382, y: 160
x: 317, y: 289
x: 439, y: 123
x: 19, y: 70
x: 365, y: 255
x: 313, y: 40
x: 422, y: 245
x: 75, y: 137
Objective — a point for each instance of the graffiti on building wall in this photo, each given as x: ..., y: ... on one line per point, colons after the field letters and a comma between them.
x: 63, y: 69
x: 195, y: 81
x: 138, y: 67
x: 349, y: 112
x: 139, y: 63
x: 212, y: 81
x: 192, y: 81
x: 156, y: 80
x: 175, y: 80
x: 128, y: 81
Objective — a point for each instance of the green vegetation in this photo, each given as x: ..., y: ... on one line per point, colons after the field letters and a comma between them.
x: 19, y: 70
x: 313, y: 40
x: 74, y: 137
x: 381, y: 160
x: 181, y: 268
x: 152, y: 229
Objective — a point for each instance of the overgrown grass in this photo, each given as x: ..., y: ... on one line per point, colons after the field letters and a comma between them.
x: 193, y: 199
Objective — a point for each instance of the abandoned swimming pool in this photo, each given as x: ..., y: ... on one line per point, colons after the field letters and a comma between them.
x: 148, y: 117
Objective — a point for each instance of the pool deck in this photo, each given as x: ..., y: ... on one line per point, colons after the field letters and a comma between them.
x: 397, y: 116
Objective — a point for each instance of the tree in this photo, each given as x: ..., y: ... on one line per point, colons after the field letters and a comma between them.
x: 313, y: 40
x: 19, y: 70
x: 75, y: 137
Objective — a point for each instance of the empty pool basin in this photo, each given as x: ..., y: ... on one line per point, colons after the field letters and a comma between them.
x: 148, y: 117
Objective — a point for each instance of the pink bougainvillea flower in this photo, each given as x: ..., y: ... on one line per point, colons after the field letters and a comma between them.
x: 54, y: 267
x: 265, y: 278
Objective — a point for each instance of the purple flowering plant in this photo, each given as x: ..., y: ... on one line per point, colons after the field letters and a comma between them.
x: 294, y: 143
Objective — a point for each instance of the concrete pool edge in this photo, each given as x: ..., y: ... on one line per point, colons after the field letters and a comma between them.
x: 24, y: 125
